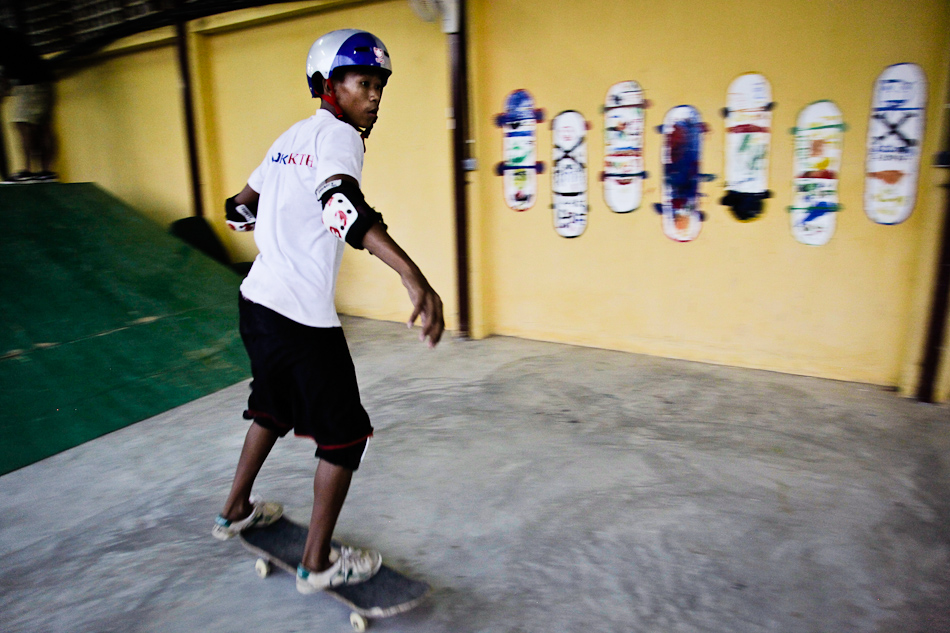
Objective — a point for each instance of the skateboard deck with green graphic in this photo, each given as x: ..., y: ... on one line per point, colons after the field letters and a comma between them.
x: 748, y: 114
x: 519, y: 168
x: 819, y: 135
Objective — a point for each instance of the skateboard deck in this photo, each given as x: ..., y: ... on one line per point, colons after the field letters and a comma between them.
x: 819, y: 134
x: 519, y: 168
x: 748, y: 115
x: 895, y: 132
x: 386, y: 594
x: 681, y: 153
x: 623, y: 147
x: 569, y: 180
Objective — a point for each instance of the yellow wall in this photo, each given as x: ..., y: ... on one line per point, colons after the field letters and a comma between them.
x: 119, y: 123
x: 741, y: 294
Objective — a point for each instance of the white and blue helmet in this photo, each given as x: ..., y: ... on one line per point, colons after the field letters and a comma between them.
x: 341, y: 49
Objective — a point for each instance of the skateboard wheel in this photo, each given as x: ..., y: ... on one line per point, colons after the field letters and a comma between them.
x: 262, y: 567
x: 358, y: 622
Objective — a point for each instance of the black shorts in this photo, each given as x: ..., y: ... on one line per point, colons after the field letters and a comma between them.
x: 304, y: 379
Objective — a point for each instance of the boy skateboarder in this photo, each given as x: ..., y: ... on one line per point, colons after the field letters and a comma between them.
x: 303, y: 202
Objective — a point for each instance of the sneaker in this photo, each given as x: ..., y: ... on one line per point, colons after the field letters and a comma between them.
x: 20, y: 177
x: 263, y: 514
x: 352, y: 566
x: 46, y: 176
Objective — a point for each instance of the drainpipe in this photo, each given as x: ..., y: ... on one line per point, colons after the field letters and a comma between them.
x: 184, y: 70
x: 938, y: 316
x: 3, y: 155
x: 455, y: 27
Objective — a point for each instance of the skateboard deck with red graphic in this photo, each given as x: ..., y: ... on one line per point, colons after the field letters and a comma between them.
x: 623, y: 146
x: 681, y: 154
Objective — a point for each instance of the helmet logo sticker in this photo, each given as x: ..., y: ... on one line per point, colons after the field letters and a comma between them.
x: 379, y: 55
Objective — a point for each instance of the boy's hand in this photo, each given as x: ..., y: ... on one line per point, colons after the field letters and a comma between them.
x: 427, y: 304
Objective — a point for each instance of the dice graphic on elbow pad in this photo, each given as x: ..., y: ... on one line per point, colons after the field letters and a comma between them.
x: 339, y: 214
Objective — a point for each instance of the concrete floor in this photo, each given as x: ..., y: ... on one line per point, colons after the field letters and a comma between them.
x: 537, y: 487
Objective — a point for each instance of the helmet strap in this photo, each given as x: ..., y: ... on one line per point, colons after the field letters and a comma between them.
x: 330, y: 100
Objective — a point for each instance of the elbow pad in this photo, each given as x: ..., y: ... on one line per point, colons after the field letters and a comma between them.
x: 239, y: 217
x: 345, y: 212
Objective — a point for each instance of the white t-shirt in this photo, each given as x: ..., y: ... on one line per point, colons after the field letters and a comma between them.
x: 296, y: 270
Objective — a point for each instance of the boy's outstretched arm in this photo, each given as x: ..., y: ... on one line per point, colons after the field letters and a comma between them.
x: 345, y: 209
x: 426, y: 302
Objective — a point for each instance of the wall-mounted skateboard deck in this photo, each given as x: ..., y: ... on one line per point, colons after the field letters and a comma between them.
x: 569, y: 174
x: 819, y: 136
x: 681, y: 154
x: 519, y: 167
x: 623, y: 146
x: 748, y: 118
x: 895, y: 134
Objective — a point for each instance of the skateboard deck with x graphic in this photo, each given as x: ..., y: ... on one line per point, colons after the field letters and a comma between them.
x: 569, y: 178
x: 895, y: 133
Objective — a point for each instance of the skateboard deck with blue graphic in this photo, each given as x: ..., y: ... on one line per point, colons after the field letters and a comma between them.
x: 386, y: 594
x: 519, y: 168
x: 623, y: 146
x: 681, y: 154
x: 569, y: 174
x: 819, y: 136
x: 748, y: 115
x: 895, y: 134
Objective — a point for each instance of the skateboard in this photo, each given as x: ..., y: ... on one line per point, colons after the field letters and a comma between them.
x: 623, y: 146
x: 819, y: 134
x: 748, y: 115
x: 895, y: 131
x: 519, y: 169
x: 682, y: 131
x: 386, y: 594
x: 569, y: 179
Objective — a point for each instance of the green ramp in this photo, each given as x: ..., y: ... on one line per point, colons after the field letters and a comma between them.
x: 105, y: 320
